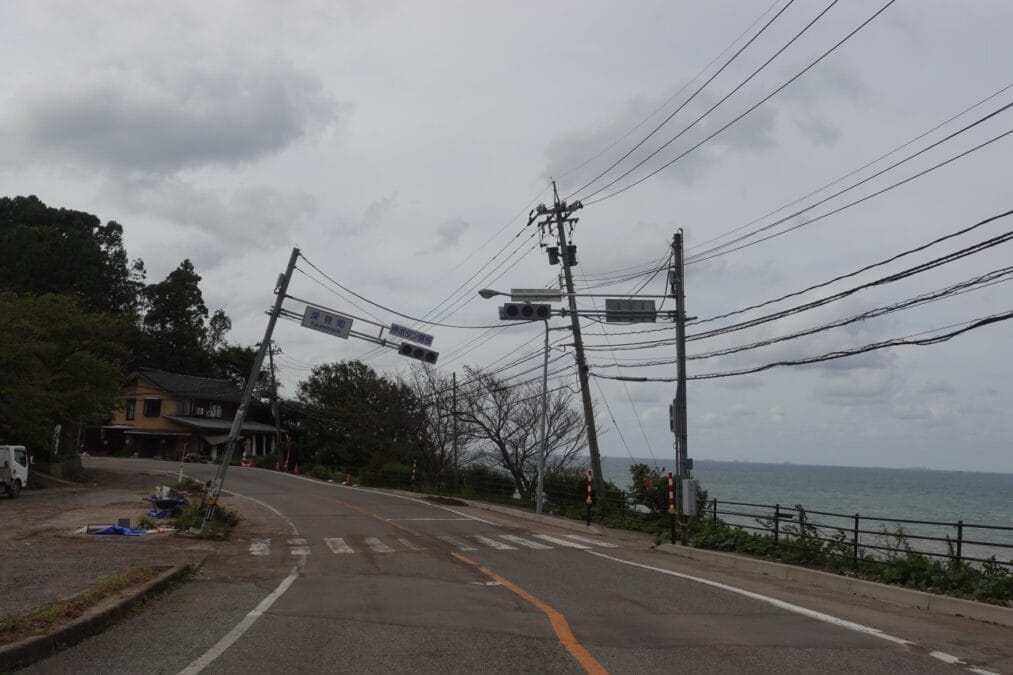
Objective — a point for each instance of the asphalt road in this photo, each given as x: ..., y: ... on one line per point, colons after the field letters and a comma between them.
x: 374, y: 582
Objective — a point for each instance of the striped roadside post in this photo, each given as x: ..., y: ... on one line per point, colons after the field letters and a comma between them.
x: 671, y: 505
x: 413, y: 475
x: 589, y: 481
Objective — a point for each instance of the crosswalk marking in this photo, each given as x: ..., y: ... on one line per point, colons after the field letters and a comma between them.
x: 603, y: 544
x: 338, y: 545
x: 377, y: 546
x: 410, y: 546
x: 458, y: 544
x: 524, y: 542
x: 260, y: 547
x: 561, y: 542
x: 492, y: 543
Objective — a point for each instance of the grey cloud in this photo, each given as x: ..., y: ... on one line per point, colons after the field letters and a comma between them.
x: 376, y: 213
x: 151, y: 122
x: 449, y: 233
x: 224, y: 222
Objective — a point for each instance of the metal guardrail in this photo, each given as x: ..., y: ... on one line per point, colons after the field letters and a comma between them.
x: 847, y: 530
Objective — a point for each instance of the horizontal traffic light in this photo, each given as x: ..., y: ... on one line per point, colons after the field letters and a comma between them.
x: 417, y: 352
x: 524, y: 311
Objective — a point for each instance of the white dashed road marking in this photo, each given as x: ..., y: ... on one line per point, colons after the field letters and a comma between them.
x: 492, y: 543
x: 603, y: 544
x: 338, y: 545
x: 409, y: 545
x: 458, y: 544
x: 561, y: 542
x: 525, y: 542
x: 260, y: 547
x: 377, y: 546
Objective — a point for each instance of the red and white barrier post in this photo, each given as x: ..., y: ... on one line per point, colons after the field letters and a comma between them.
x: 413, y: 475
x: 671, y: 505
x: 589, y: 481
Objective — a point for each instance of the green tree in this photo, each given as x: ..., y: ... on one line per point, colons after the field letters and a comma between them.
x: 177, y: 336
x: 48, y: 250
x: 354, y: 416
x: 58, y: 365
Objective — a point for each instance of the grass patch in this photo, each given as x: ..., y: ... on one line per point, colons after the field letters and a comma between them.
x: 191, y: 518
x: 20, y: 625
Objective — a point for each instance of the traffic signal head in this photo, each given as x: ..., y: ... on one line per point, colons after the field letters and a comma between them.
x: 417, y: 352
x: 524, y: 311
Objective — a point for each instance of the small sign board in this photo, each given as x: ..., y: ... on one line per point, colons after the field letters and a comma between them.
x: 620, y: 310
x: 536, y: 295
x: 411, y: 334
x: 326, y: 322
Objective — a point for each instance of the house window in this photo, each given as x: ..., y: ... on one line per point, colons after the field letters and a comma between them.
x: 215, y: 410
x: 183, y: 406
x: 131, y: 408
x: 152, y: 407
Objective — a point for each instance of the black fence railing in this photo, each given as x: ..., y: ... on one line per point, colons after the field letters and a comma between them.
x: 854, y: 537
x: 851, y: 534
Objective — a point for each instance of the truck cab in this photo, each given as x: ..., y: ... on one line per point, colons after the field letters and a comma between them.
x: 13, y: 469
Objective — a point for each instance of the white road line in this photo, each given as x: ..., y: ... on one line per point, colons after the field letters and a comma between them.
x: 297, y: 542
x: 338, y: 545
x: 414, y: 519
x: 586, y: 540
x: 407, y: 543
x: 377, y: 546
x: 219, y: 647
x: 524, y: 542
x: 458, y: 544
x: 811, y: 613
x: 492, y: 543
x: 561, y: 542
x: 300, y: 550
x: 260, y: 547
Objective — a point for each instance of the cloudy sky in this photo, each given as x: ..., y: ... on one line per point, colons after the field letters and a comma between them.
x: 401, y: 146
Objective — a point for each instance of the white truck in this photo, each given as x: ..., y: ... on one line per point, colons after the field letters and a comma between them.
x: 13, y: 469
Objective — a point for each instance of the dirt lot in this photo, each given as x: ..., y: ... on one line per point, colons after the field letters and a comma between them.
x: 43, y: 559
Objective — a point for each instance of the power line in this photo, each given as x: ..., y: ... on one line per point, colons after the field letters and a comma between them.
x: 841, y: 277
x: 693, y: 96
x: 671, y: 98
x: 739, y: 117
x: 830, y: 356
x: 716, y: 251
x: 855, y: 171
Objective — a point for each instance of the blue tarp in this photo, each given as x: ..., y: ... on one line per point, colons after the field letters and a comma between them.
x: 164, y: 507
x: 116, y: 529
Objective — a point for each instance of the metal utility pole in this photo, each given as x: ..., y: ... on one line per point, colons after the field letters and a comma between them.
x: 681, y: 448
x: 539, y: 497
x: 562, y: 212
x: 453, y: 411
x: 274, y: 401
x: 215, y: 489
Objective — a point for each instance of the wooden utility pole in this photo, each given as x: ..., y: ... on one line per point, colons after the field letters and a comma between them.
x: 681, y: 447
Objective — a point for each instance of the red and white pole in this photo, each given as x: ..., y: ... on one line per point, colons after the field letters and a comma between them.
x: 671, y: 505
x: 413, y: 475
x: 589, y: 482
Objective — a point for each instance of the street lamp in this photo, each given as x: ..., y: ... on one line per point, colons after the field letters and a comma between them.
x: 539, y: 498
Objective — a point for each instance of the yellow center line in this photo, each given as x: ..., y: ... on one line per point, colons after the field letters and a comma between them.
x: 559, y: 623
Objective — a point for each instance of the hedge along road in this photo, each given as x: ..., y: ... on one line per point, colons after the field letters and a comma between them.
x: 398, y: 584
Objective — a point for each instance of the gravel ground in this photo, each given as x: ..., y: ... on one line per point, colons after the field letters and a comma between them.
x: 43, y: 559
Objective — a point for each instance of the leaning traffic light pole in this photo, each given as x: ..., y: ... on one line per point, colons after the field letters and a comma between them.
x: 215, y: 489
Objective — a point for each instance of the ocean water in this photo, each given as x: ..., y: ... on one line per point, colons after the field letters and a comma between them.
x: 909, y: 494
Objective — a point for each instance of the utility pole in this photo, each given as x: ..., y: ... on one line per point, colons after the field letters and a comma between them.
x: 681, y: 447
x: 453, y: 412
x: 272, y: 350
x: 539, y: 498
x: 563, y: 213
x: 215, y: 489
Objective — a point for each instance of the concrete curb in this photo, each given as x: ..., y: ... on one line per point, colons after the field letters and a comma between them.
x: 36, y: 648
x: 906, y: 597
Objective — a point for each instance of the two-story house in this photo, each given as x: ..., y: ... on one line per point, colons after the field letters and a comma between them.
x: 168, y: 415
